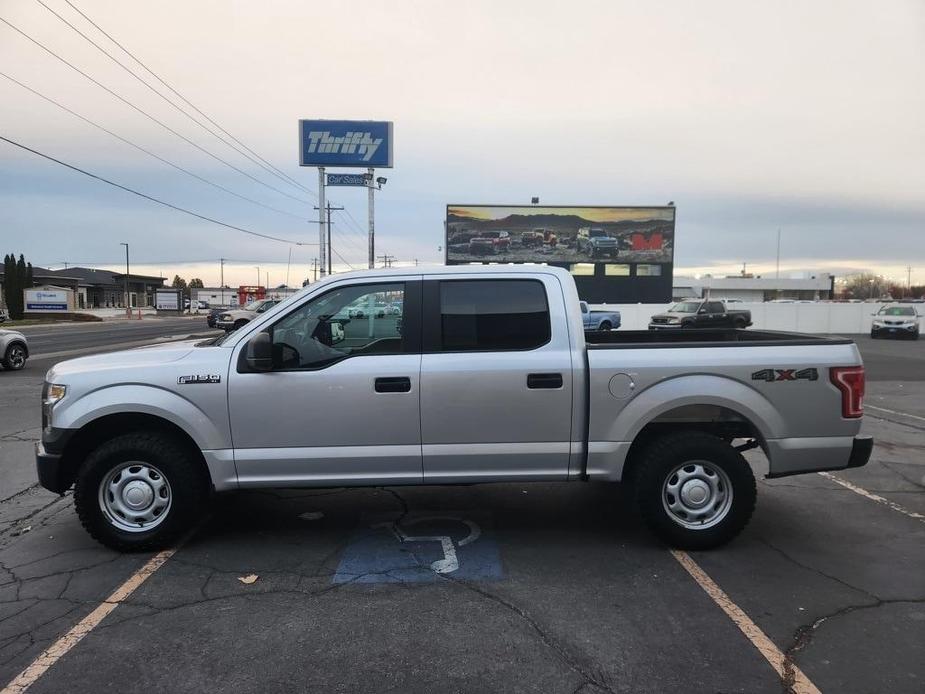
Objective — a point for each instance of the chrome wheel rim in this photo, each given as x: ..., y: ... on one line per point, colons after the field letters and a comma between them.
x: 135, y: 497
x: 697, y: 495
x: 17, y: 357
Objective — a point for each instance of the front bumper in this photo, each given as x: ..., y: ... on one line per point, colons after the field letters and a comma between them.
x: 664, y: 326
x: 898, y: 330
x: 800, y: 456
x: 51, y: 472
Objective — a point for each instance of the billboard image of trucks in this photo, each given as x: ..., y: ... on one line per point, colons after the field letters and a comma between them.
x: 542, y: 234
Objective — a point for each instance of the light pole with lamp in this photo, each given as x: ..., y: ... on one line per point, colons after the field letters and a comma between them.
x: 128, y: 305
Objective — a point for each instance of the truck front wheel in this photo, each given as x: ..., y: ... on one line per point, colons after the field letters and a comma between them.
x: 694, y: 490
x: 139, y: 492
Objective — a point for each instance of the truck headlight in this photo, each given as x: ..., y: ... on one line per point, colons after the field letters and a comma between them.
x: 674, y: 320
x: 52, y: 393
x: 878, y: 323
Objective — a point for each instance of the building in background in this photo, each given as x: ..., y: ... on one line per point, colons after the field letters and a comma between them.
x: 616, y: 254
x: 758, y: 289
x: 106, y: 289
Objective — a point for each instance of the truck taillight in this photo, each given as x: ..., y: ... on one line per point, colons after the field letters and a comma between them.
x: 850, y: 382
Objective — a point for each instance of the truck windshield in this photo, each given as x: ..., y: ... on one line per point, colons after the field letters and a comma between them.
x: 685, y: 307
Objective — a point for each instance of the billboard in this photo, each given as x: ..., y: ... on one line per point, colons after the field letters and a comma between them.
x: 542, y: 234
x: 363, y: 143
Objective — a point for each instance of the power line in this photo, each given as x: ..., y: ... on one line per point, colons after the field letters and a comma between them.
x: 146, y: 151
x: 146, y: 84
x: 152, y: 199
x: 148, y: 115
x: 189, y: 103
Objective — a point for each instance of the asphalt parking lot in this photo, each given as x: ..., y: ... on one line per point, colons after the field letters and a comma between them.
x: 555, y: 588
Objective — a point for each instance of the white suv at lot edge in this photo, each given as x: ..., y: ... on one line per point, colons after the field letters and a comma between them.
x: 235, y: 318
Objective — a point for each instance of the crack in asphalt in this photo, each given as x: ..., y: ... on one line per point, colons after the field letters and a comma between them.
x: 804, y: 634
x: 20, y: 493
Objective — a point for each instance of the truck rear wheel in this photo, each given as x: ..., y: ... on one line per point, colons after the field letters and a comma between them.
x: 139, y: 492
x: 605, y: 325
x: 694, y: 490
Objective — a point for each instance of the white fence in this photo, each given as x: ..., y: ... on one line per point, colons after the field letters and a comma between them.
x: 802, y: 318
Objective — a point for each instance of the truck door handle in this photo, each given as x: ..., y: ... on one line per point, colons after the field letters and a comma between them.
x: 396, y: 384
x: 544, y: 381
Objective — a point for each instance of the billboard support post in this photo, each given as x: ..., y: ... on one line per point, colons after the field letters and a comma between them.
x: 372, y: 218
x: 321, y: 230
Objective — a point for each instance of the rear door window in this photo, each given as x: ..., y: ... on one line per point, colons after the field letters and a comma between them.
x: 493, y: 315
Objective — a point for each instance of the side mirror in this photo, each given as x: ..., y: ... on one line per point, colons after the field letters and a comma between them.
x: 260, y: 352
x: 337, y: 333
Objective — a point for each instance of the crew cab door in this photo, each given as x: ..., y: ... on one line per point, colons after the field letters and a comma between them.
x: 340, y: 403
x: 496, y: 379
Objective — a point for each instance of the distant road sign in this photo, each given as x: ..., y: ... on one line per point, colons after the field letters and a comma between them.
x: 358, y: 143
x: 346, y: 180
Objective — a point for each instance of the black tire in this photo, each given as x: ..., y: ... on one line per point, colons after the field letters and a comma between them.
x: 15, y: 357
x: 240, y: 323
x: 664, y: 460
x: 188, y: 490
x: 873, y: 335
x: 739, y: 325
x: 605, y: 325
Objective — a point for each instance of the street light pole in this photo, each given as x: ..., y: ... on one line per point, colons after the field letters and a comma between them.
x: 258, y: 274
x: 128, y: 307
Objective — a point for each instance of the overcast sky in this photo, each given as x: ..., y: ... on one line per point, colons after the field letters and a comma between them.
x: 804, y: 116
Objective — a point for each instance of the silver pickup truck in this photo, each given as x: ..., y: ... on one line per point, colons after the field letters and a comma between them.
x: 486, y: 375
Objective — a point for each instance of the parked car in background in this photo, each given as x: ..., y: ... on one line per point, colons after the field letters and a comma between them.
x: 598, y: 320
x: 14, y: 350
x: 896, y: 321
x: 699, y: 313
x: 235, y: 318
x: 215, y: 312
x: 596, y: 243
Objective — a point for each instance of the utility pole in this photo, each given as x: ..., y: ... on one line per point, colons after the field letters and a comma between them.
x: 288, y: 263
x: 777, y: 276
x: 128, y: 307
x: 314, y: 269
x: 320, y: 208
x: 372, y: 217
x: 258, y: 274
x: 386, y: 260
x: 909, y: 278
x: 327, y: 246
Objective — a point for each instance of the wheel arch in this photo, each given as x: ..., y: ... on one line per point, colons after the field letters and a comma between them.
x: 107, y: 427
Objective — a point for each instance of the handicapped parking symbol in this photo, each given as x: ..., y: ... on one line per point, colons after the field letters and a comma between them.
x: 391, y: 552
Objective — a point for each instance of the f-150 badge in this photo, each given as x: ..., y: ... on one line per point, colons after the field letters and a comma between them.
x: 199, y: 378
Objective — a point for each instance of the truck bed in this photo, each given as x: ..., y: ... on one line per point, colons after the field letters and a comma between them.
x: 634, y: 339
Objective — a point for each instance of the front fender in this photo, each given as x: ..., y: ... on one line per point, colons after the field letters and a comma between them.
x: 145, y: 399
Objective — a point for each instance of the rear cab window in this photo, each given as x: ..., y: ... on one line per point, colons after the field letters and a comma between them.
x: 489, y: 316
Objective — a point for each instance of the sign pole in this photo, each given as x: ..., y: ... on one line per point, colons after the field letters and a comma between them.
x: 372, y: 218
x: 321, y: 235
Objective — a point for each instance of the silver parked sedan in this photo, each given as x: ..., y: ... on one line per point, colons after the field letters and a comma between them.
x: 14, y: 350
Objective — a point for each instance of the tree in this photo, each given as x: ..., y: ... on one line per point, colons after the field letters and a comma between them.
x: 17, y: 276
x: 866, y: 286
x: 196, y: 283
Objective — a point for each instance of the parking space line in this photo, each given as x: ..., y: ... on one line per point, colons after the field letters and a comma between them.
x: 59, y: 648
x: 798, y: 682
x: 901, y: 414
x: 873, y: 497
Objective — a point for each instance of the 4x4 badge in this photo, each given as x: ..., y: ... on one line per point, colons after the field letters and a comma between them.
x: 200, y: 378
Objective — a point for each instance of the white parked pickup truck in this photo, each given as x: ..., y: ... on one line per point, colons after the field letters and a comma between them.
x: 486, y: 376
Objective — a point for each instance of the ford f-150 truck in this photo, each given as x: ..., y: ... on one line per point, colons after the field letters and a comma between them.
x: 697, y: 313
x: 598, y: 320
x: 487, y: 376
